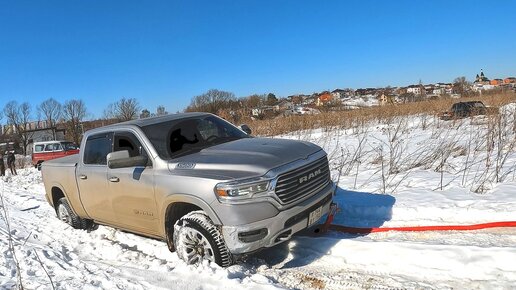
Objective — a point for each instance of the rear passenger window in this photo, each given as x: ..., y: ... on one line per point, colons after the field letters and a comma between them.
x: 49, y: 147
x: 57, y: 147
x: 97, y: 148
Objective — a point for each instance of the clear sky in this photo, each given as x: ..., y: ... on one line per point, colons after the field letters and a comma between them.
x: 165, y: 52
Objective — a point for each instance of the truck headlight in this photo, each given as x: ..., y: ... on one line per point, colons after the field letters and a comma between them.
x: 241, y: 189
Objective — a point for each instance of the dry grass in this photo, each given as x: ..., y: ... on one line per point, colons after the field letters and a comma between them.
x: 355, y: 118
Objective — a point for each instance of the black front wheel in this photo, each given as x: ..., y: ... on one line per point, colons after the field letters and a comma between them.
x: 196, y: 238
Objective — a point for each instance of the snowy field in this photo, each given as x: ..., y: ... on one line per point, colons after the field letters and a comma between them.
x: 411, y: 171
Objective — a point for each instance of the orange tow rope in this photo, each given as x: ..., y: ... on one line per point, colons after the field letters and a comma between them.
x: 354, y: 230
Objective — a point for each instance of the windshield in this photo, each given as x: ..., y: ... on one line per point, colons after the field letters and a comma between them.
x: 68, y: 146
x: 176, y: 138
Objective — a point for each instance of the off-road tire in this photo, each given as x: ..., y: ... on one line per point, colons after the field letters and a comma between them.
x: 199, y: 221
x: 74, y: 220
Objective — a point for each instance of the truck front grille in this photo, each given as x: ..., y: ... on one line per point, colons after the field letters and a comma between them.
x: 303, y: 181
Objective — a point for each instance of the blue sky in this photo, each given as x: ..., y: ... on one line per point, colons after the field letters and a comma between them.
x: 165, y: 52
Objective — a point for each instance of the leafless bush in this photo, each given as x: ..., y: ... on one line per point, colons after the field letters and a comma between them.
x: 10, y: 240
x: 357, y: 120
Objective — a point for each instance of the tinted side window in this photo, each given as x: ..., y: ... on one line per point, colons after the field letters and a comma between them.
x: 128, y: 141
x: 69, y: 146
x: 97, y: 148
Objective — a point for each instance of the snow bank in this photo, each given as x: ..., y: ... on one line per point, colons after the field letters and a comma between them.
x: 421, y: 178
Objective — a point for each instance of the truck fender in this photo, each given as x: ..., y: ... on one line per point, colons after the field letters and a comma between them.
x: 186, y: 198
x: 51, y: 195
x: 73, y: 203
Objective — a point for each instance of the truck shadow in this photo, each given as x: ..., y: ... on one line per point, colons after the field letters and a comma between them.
x: 356, y: 209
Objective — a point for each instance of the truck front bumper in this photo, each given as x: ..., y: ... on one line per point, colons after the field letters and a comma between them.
x: 266, y: 233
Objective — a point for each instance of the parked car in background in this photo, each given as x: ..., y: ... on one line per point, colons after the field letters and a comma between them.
x: 467, y: 109
x: 48, y: 150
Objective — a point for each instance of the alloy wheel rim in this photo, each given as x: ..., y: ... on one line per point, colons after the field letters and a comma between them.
x: 196, y: 247
x: 64, y: 215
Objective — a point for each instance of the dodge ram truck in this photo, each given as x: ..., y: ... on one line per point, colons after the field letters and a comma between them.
x: 208, y: 189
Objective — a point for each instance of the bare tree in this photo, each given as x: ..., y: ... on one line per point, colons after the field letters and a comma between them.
x: 160, y: 111
x: 109, y: 112
x: 1, y: 129
x: 254, y: 101
x: 212, y: 101
x: 74, y: 112
x: 271, y: 99
x: 18, y: 116
x: 461, y: 86
x: 51, y: 110
x: 145, y: 114
x: 123, y: 110
x: 408, y: 97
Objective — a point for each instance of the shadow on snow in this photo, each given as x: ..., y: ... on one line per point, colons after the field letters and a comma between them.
x: 356, y: 209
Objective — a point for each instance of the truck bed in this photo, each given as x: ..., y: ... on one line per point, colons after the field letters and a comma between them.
x: 68, y: 161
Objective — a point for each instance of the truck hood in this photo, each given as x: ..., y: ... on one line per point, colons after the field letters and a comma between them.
x: 243, y: 158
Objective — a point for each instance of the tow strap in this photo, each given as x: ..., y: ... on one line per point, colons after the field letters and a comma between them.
x: 328, y: 226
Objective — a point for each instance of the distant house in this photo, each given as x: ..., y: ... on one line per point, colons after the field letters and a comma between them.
x: 309, y: 100
x: 415, y: 89
x: 297, y: 99
x: 401, y: 90
x: 496, y: 82
x: 443, y: 88
x: 284, y: 105
x: 438, y: 91
x: 264, y: 111
x: 429, y: 89
x: 323, y: 99
x: 366, y: 91
x: 386, y: 99
x: 509, y: 80
x: 37, y: 131
x: 342, y: 93
x: 338, y: 93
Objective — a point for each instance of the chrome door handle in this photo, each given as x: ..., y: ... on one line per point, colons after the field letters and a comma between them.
x: 114, y: 179
x: 82, y: 176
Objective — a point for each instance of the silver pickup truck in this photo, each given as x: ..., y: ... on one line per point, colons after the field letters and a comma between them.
x: 206, y: 187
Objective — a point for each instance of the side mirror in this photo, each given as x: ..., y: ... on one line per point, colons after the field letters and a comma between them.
x: 246, y: 129
x: 121, y: 159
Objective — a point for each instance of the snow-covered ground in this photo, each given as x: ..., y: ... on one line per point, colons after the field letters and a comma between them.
x: 411, y: 171
x: 360, y: 102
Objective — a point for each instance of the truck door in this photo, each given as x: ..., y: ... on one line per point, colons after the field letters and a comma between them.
x: 132, y: 188
x: 92, y: 177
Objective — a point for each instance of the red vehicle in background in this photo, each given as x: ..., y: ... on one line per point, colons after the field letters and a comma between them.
x: 48, y: 150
